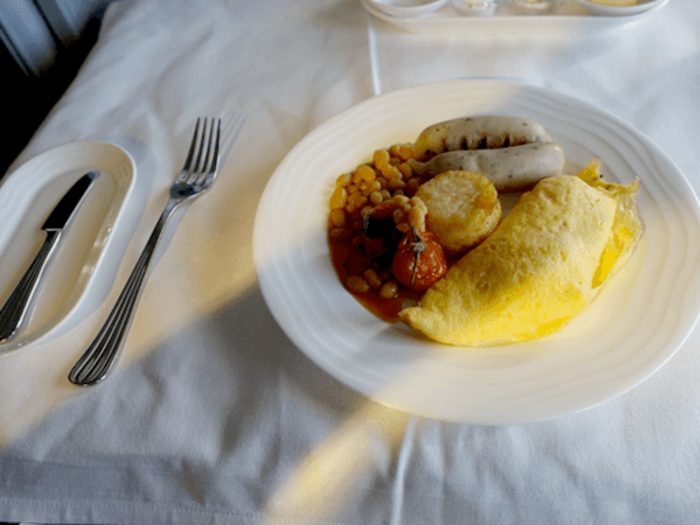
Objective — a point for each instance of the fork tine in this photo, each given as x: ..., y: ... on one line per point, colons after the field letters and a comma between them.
x: 215, y: 160
x: 204, y: 152
x: 190, y: 154
x: 206, y: 158
x: 200, y: 175
x: 214, y: 166
x: 197, y: 165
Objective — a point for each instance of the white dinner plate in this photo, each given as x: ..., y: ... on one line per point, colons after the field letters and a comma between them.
x: 27, y: 196
x: 637, y: 322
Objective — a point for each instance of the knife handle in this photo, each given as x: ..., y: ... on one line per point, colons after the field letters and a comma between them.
x: 13, y: 312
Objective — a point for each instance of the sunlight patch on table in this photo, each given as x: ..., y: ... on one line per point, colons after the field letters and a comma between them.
x: 326, y: 478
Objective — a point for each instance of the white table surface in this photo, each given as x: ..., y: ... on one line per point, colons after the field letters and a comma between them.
x: 213, y: 415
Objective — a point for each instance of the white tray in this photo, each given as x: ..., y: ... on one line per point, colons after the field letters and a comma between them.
x: 27, y: 196
x: 569, y: 19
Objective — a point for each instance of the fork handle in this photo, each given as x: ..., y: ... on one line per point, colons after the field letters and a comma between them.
x: 95, y: 363
x: 13, y: 312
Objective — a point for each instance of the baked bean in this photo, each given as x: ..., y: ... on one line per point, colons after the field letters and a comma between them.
x: 416, y: 218
x: 338, y: 217
x: 389, y: 289
x: 396, y: 184
x: 357, y: 284
x: 391, y: 173
x: 406, y: 170
x: 339, y: 198
x: 372, y: 278
x: 357, y: 200
x: 365, y: 211
x: 400, y: 200
x: 343, y: 180
x: 381, y: 159
x: 364, y: 173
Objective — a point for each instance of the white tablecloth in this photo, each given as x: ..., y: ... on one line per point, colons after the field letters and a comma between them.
x: 213, y: 415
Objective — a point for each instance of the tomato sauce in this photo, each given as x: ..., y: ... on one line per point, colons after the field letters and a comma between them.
x: 347, y: 261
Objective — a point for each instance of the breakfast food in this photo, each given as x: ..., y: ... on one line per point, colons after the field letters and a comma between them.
x: 472, y: 133
x: 516, y: 168
x: 416, y: 234
x: 463, y: 209
x: 373, y: 208
x: 419, y: 261
x: 538, y: 270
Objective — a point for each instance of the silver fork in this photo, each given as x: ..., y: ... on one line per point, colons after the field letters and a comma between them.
x: 197, y: 176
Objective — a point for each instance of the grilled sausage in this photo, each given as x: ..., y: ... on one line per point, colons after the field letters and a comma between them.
x: 516, y: 168
x: 472, y: 133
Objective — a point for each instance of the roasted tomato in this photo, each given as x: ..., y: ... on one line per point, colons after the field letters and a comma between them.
x: 419, y: 261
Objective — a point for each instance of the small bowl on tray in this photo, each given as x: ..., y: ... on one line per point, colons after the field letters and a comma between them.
x: 407, y: 8
x: 620, y: 7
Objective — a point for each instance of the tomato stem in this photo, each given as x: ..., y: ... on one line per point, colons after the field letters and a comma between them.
x: 418, y: 247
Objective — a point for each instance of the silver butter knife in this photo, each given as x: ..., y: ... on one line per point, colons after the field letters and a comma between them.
x: 13, y: 312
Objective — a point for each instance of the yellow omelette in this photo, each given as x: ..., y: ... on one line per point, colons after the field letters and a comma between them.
x: 540, y: 268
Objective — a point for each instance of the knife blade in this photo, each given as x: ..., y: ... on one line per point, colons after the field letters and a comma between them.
x: 14, y: 311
